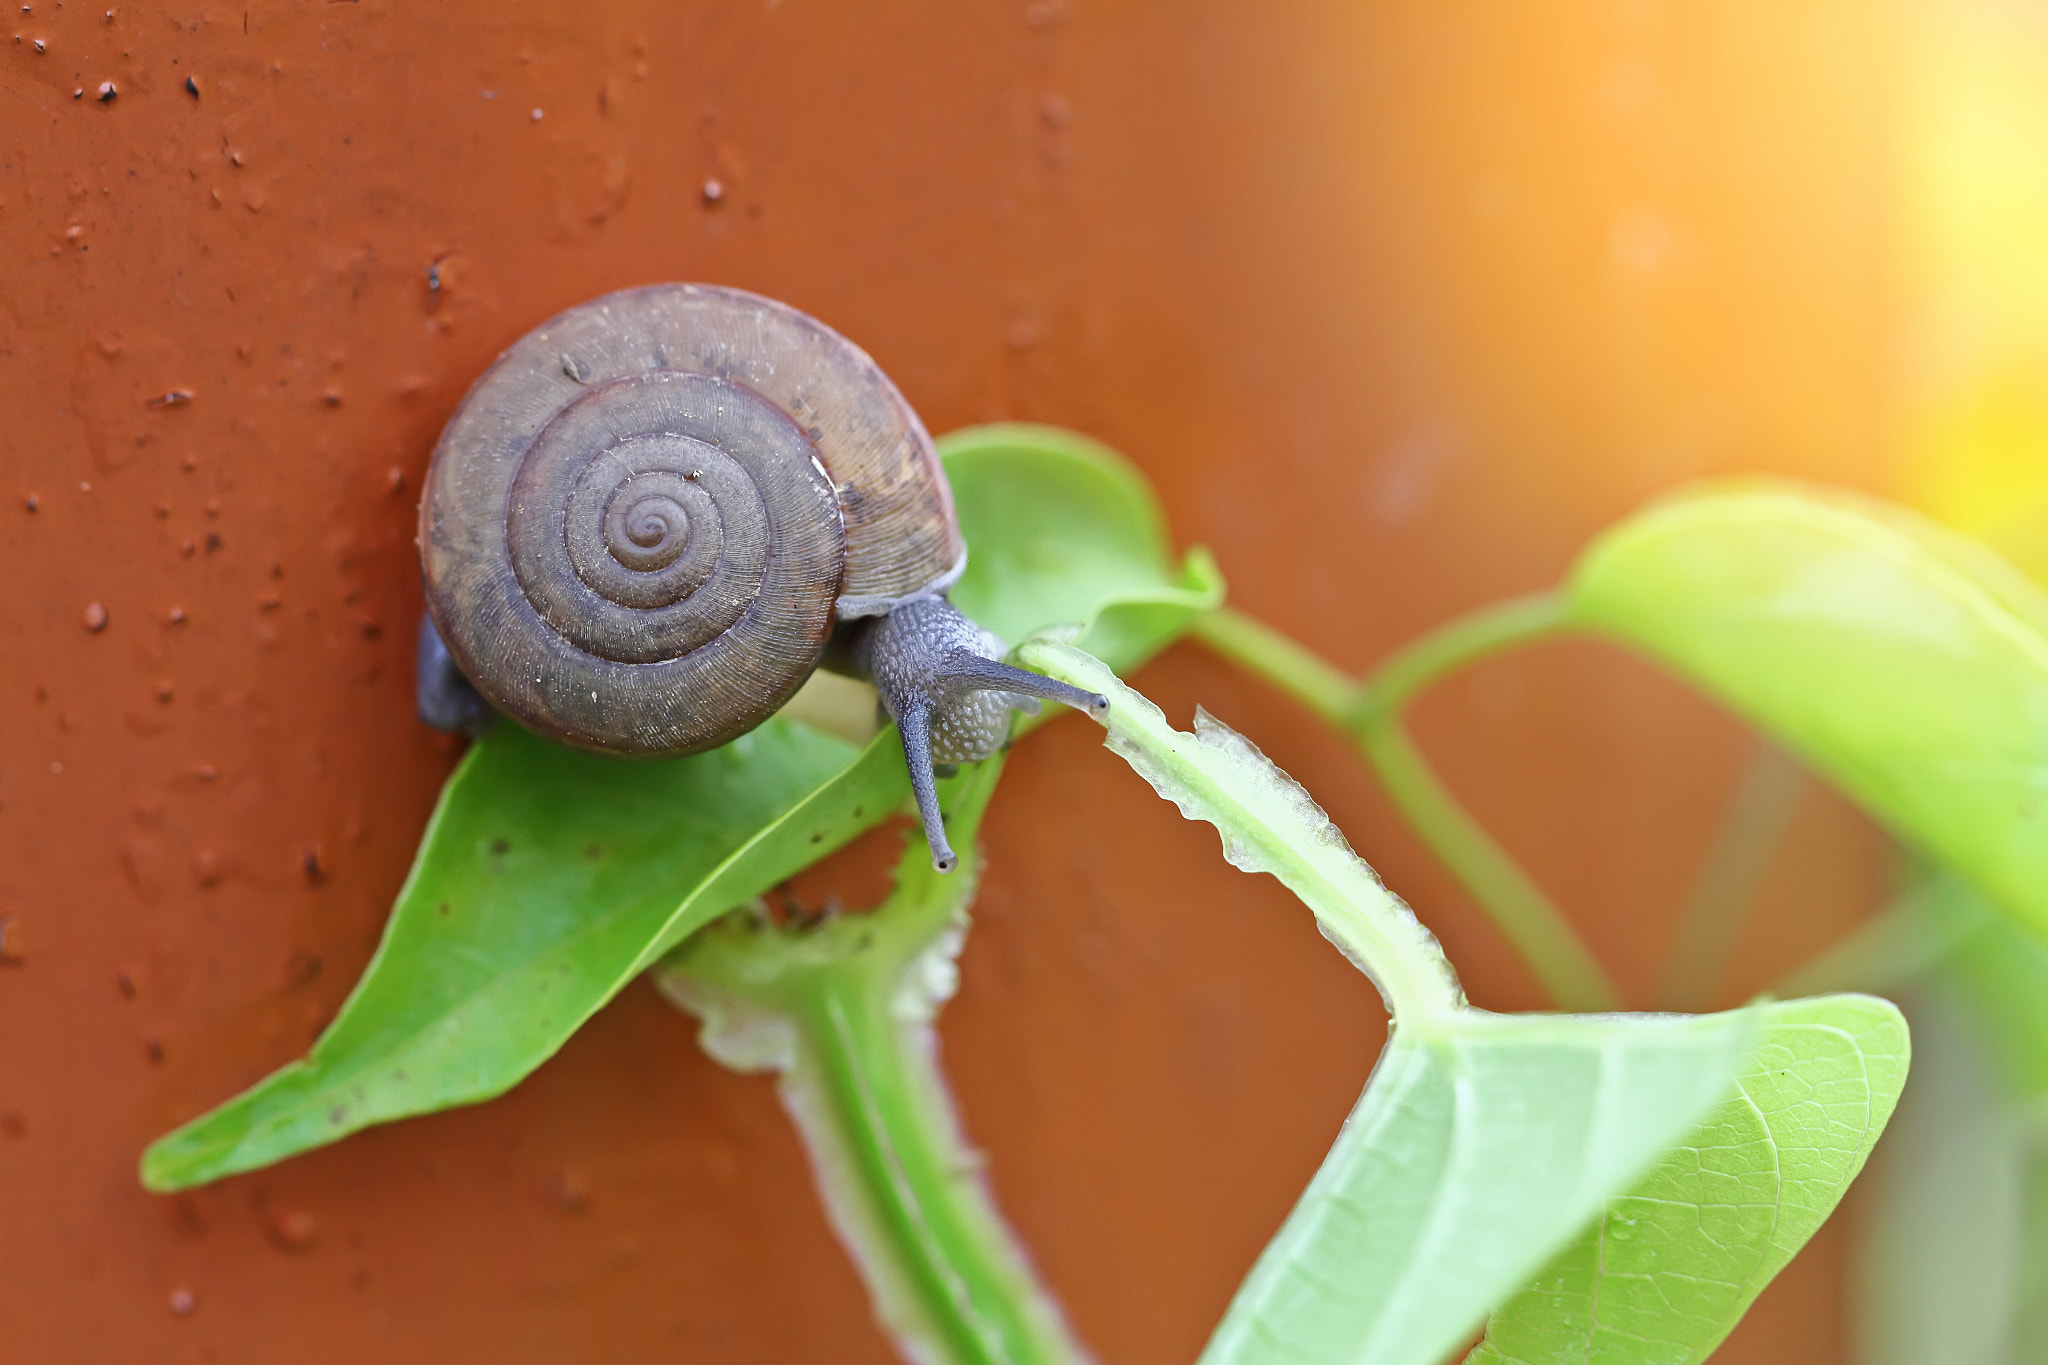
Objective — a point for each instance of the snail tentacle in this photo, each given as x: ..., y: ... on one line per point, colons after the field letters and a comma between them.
x: 914, y: 722
x: 940, y: 680
x: 964, y: 672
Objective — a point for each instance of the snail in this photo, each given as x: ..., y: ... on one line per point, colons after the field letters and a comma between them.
x: 658, y: 513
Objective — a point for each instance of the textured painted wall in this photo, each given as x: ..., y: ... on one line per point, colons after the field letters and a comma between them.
x: 1396, y: 303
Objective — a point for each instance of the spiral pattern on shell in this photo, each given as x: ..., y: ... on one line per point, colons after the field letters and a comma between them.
x: 632, y: 540
x: 655, y: 510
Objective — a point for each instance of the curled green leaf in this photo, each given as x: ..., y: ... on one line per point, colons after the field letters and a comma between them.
x: 1065, y: 532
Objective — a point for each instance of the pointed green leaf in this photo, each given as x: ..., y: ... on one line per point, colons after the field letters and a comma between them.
x: 1064, y: 531
x: 1907, y: 663
x: 547, y: 879
x: 1483, y: 1142
x: 1665, y: 1271
x: 1476, y: 1151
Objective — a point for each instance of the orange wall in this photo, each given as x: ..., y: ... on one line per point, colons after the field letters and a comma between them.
x: 1396, y: 303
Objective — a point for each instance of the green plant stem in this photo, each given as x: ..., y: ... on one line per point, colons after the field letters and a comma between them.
x: 1751, y: 831
x: 1893, y: 946
x: 1215, y: 775
x: 1512, y: 624
x: 844, y: 1011
x: 1371, y: 713
x: 1263, y: 651
x: 868, y: 1096
x: 1517, y: 906
x: 1510, y: 897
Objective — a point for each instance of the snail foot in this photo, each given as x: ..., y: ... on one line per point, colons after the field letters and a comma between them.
x: 446, y: 699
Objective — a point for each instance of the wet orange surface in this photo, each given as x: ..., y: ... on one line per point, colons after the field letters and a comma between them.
x: 1395, y: 303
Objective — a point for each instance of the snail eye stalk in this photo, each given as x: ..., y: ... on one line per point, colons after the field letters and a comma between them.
x: 950, y: 697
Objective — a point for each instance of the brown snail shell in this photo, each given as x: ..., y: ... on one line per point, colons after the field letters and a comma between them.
x: 644, y: 520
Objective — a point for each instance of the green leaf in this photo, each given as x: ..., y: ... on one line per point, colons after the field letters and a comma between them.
x: 546, y: 879
x: 1062, y: 530
x: 1905, y: 662
x: 1477, y: 1149
x: 1483, y: 1142
x: 564, y: 874
x: 1667, y: 1270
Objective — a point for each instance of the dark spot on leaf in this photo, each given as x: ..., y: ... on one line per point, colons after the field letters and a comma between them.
x: 337, y: 1113
x: 501, y: 847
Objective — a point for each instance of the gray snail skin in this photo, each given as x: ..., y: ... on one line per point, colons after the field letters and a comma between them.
x: 649, y: 519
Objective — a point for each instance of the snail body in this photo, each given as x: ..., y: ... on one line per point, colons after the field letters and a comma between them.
x: 646, y: 521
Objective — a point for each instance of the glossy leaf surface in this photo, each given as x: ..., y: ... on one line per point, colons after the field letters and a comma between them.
x: 547, y: 879
x: 1908, y: 664
x: 1475, y: 1152
x: 1665, y: 1271
x: 1077, y: 539
x: 1483, y: 1142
